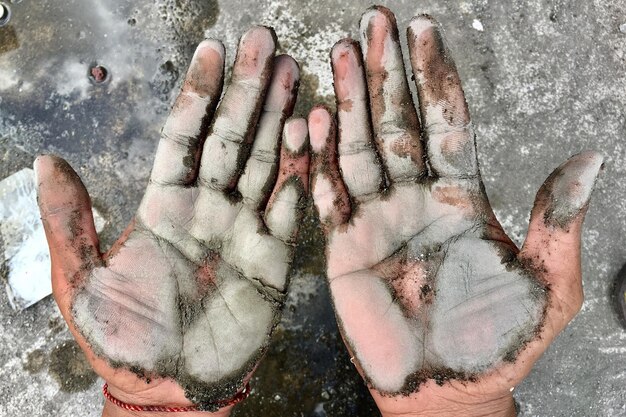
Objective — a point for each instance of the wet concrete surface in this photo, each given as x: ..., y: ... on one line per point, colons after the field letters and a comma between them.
x: 544, y: 80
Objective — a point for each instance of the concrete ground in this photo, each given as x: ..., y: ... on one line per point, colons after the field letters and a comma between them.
x: 544, y: 80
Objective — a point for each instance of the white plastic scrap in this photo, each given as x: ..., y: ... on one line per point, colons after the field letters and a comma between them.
x: 26, y: 253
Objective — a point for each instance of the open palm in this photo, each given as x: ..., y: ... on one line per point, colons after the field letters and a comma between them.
x: 426, y: 285
x: 191, y: 292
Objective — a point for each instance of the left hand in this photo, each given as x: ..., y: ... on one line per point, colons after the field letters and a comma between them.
x: 442, y: 313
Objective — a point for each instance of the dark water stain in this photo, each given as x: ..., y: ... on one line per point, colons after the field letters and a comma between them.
x: 35, y: 361
x: 309, y: 256
x: 69, y: 367
x: 8, y: 39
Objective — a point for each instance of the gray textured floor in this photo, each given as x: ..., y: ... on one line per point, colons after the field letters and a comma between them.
x: 544, y: 80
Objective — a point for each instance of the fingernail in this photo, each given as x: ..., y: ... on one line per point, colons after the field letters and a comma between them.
x: 571, y: 187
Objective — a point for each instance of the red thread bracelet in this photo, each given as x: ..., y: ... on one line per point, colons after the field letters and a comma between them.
x: 239, y: 397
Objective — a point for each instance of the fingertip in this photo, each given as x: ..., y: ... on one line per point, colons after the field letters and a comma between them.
x: 296, y: 133
x: 53, y: 167
x: 320, y: 124
x: 282, y: 91
x: 263, y: 36
x: 45, y: 160
x: 344, y: 49
x: 38, y: 165
x: 579, y: 176
x: 568, y: 189
x: 287, y: 68
x: 255, y: 52
x: 366, y: 19
x: 348, y: 73
x: 318, y: 113
x: 211, y: 44
x: 288, y: 63
x: 269, y: 30
x: 379, y: 8
x: 41, y: 166
x: 205, y: 74
x: 420, y: 24
x: 376, y: 15
x: 593, y: 159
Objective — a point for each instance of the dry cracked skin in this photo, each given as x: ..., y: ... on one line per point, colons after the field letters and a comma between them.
x: 425, y: 282
x: 192, y: 290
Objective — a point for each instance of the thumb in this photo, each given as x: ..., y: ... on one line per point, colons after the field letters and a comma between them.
x: 552, y: 245
x: 67, y: 218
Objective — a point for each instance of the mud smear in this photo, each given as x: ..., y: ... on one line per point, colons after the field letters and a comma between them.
x: 439, y: 375
x: 69, y: 367
x: 396, y: 93
x: 442, y: 84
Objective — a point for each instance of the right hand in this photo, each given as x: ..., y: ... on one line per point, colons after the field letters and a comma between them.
x: 181, y: 309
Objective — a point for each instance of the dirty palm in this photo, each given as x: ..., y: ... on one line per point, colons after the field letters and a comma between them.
x: 426, y: 284
x: 193, y: 288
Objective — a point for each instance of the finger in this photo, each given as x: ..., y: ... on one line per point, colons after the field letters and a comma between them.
x: 68, y: 222
x: 329, y: 192
x: 286, y: 205
x: 394, y: 119
x: 179, y: 150
x: 553, y: 241
x: 227, y: 145
x: 358, y: 159
x: 258, y: 177
x: 450, y: 145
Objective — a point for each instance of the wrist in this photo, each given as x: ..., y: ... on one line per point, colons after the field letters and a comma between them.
x: 111, y: 410
x: 446, y: 402
x: 159, y: 403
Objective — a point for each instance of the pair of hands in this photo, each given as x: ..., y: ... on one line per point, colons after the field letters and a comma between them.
x: 442, y: 313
